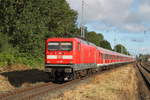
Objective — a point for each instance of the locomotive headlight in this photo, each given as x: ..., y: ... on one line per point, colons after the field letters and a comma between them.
x: 68, y: 70
x: 51, y: 56
x: 48, y: 62
x: 67, y: 56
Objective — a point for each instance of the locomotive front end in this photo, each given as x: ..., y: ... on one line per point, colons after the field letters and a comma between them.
x: 59, y: 59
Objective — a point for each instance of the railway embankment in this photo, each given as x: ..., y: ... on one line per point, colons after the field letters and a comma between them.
x: 117, y: 84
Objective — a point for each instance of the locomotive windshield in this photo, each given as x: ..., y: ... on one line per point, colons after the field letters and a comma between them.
x: 61, y: 46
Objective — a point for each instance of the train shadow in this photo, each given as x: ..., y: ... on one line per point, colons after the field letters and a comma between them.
x: 17, y: 78
x: 60, y: 82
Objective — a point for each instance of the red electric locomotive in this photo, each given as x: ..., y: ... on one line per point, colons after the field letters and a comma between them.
x: 65, y: 56
x: 69, y: 58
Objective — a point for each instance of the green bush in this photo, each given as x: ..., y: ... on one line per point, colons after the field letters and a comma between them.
x: 7, y: 59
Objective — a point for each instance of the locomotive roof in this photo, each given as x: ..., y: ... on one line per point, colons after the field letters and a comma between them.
x: 87, y: 42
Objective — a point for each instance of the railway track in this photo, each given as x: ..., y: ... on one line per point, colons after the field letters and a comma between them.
x: 144, y: 69
x: 143, y: 72
x: 36, y: 92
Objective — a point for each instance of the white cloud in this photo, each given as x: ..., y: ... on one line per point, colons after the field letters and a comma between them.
x: 99, y: 10
x: 115, y: 13
x: 134, y: 27
x: 145, y: 8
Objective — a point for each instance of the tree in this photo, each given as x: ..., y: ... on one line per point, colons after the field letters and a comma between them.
x: 26, y: 23
x: 94, y: 37
x: 101, y: 37
x: 121, y: 49
x: 4, y: 45
x: 105, y: 44
x: 98, y: 39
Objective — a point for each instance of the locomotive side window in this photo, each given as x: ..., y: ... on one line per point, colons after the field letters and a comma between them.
x: 103, y: 56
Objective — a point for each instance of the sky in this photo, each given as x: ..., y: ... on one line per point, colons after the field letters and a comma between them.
x: 124, y: 22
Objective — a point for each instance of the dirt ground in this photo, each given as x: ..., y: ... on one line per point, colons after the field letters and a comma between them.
x: 117, y: 84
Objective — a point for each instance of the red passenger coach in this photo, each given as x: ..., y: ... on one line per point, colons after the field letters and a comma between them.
x: 68, y: 58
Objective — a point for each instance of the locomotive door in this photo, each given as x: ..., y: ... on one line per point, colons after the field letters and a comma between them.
x: 78, y: 53
x: 82, y: 54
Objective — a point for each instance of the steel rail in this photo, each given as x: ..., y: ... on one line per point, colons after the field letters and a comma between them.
x: 33, y: 92
x: 147, y: 66
x: 145, y: 73
x: 143, y: 87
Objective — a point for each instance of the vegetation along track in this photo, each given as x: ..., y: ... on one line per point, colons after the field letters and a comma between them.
x: 34, y: 93
x: 143, y: 69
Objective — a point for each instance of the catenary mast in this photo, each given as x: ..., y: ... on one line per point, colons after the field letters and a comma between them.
x: 82, y: 21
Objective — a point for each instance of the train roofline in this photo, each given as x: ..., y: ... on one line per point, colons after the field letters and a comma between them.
x: 103, y: 50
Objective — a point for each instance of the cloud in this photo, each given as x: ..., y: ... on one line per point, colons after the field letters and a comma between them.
x: 134, y: 27
x: 114, y: 13
x: 102, y: 10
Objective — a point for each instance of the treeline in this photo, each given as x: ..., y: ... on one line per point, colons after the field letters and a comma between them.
x: 98, y: 39
x: 25, y: 24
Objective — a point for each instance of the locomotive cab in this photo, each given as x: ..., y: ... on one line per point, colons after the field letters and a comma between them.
x: 59, y: 58
x: 59, y: 53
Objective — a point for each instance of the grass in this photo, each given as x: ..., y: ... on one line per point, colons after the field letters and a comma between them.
x: 119, y: 84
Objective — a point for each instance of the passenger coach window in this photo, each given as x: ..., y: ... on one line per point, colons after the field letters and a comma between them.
x: 102, y: 56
